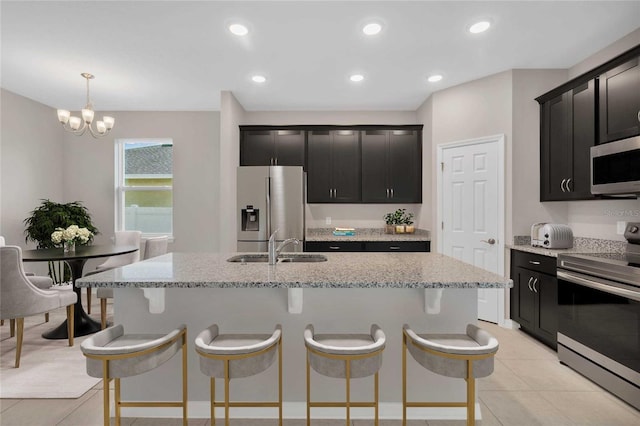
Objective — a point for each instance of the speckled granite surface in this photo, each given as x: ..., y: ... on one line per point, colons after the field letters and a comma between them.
x: 341, y: 270
x: 366, y: 234
x: 580, y: 245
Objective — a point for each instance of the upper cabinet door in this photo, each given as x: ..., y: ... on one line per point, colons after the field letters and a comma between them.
x: 405, y: 166
x: 319, y: 183
x: 257, y: 148
x: 620, y: 102
x: 345, y: 165
x: 289, y: 147
x: 375, y: 166
x: 583, y: 135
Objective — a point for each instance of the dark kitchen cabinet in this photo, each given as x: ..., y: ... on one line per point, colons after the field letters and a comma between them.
x: 391, y: 166
x: 370, y: 246
x: 620, y: 102
x: 333, y: 166
x: 567, y: 132
x: 534, y: 296
x: 272, y: 148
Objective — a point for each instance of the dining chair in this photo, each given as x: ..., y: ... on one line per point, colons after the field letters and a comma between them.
x: 125, y: 238
x: 153, y: 246
x: 20, y: 298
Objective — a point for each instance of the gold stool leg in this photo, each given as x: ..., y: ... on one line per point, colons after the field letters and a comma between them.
x: 105, y: 390
x: 117, y: 400
x: 308, y: 391
x: 184, y: 379
x: 280, y: 381
x: 348, y: 405
x: 471, y: 395
x: 213, y: 399
x: 375, y: 390
x: 226, y: 392
x: 404, y: 379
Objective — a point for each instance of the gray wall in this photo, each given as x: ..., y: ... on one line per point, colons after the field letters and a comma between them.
x: 31, y: 163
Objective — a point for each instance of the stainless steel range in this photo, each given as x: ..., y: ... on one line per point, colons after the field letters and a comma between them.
x: 599, y: 316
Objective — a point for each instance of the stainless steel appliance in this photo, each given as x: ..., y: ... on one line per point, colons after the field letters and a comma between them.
x: 551, y: 235
x: 599, y: 316
x: 270, y: 198
x: 614, y: 167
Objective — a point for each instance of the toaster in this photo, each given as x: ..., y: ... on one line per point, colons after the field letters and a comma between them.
x: 551, y: 235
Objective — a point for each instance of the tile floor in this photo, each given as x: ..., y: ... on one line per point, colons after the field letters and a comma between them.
x: 528, y: 387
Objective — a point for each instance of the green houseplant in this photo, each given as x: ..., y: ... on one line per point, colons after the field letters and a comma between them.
x: 399, y: 222
x: 47, y: 218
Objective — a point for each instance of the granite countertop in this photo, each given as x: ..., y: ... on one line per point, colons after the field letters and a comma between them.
x: 341, y: 270
x: 365, y: 234
x: 580, y: 245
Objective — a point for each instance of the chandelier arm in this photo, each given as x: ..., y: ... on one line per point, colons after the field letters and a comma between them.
x: 97, y: 134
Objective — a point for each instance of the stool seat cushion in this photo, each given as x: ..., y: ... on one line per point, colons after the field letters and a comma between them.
x: 113, y: 342
x: 345, y: 345
x: 239, y: 349
x: 475, y: 342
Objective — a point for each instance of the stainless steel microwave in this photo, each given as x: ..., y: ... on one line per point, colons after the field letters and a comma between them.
x: 615, y: 167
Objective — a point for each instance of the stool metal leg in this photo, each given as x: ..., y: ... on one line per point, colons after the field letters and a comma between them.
x: 185, y: 387
x: 105, y: 391
x: 213, y: 399
x: 375, y: 386
x: 226, y: 392
x: 404, y: 379
x: 471, y: 395
x: 308, y: 391
x: 117, y: 400
x: 280, y: 381
x: 348, y: 374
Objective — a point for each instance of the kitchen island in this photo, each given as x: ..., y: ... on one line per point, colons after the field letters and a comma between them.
x: 346, y: 293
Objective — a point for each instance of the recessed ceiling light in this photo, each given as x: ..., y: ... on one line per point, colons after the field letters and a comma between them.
x: 356, y: 77
x: 372, y: 28
x: 434, y: 78
x: 238, y: 29
x: 479, y: 27
x: 259, y: 78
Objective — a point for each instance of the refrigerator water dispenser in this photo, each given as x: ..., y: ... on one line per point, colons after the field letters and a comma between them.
x: 250, y: 219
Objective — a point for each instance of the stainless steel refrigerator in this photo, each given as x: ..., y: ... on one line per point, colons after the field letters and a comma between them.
x: 270, y: 198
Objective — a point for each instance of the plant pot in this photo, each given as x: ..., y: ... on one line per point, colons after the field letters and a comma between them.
x: 409, y: 229
x: 389, y: 229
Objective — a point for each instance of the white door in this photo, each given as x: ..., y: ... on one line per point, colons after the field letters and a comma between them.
x: 471, y: 212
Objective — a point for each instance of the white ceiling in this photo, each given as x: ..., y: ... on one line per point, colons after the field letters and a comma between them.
x: 178, y: 55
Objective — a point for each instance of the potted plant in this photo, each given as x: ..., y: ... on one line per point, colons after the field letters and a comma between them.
x: 399, y: 222
x: 47, y: 218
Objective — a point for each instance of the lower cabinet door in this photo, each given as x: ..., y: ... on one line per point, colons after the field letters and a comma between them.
x: 523, y: 298
x: 546, y: 290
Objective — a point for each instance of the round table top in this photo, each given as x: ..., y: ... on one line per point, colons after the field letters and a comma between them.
x: 82, y: 252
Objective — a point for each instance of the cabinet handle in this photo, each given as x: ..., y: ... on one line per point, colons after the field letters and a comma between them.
x: 394, y: 248
x: 534, y: 285
x: 335, y: 193
x: 330, y: 193
x: 529, y: 284
x: 276, y: 161
x: 534, y: 262
x: 391, y: 192
x: 387, y: 192
x: 562, y: 185
x: 334, y: 247
x: 567, y: 185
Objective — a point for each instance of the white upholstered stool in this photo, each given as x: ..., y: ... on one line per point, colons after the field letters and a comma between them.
x: 111, y: 354
x: 467, y: 356
x: 345, y: 356
x: 231, y: 356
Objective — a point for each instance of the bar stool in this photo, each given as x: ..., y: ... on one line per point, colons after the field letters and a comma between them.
x: 345, y: 356
x: 112, y: 354
x: 468, y: 356
x: 232, y: 356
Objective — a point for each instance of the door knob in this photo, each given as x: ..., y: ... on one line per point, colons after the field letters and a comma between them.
x: 489, y: 241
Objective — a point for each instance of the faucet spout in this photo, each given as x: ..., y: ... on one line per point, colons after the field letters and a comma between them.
x: 275, y: 252
x: 286, y: 243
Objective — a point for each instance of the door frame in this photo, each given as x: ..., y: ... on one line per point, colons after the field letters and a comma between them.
x: 499, y: 140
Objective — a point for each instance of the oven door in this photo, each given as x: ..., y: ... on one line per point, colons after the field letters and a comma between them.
x: 603, y: 316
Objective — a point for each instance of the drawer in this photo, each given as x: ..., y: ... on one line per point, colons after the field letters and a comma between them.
x: 328, y: 246
x: 534, y: 262
x: 390, y: 246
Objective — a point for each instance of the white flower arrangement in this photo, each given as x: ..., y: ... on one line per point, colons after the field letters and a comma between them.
x: 72, y: 234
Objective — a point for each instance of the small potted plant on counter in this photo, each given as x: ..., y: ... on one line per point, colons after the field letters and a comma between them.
x: 399, y: 222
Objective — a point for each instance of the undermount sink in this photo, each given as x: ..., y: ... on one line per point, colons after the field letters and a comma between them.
x: 288, y: 258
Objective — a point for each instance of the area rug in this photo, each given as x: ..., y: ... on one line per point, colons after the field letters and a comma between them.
x: 48, y: 368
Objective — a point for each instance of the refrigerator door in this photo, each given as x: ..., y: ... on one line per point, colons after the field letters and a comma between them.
x: 287, y: 204
x: 253, y: 184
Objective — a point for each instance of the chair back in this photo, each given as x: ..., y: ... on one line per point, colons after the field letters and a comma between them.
x: 20, y: 298
x: 127, y: 238
x: 155, y: 246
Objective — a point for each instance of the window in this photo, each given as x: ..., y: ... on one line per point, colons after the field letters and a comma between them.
x: 144, y: 186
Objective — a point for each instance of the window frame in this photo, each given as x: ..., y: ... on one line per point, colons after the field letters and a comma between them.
x: 121, y: 189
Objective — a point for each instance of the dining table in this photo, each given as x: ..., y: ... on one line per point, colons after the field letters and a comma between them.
x: 83, y: 323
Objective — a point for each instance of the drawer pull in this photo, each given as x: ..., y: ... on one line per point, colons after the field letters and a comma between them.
x: 534, y: 262
x: 334, y: 247
x: 394, y: 248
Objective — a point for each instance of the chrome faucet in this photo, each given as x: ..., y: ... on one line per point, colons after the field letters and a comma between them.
x: 275, y: 252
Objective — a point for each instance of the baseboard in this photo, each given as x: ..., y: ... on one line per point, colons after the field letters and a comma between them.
x: 510, y: 324
x: 298, y: 410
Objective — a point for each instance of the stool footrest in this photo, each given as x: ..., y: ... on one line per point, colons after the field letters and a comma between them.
x: 436, y: 404
x: 151, y: 404
x: 342, y: 404
x: 247, y: 404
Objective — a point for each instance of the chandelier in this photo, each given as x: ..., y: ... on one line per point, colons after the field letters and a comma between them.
x: 79, y: 126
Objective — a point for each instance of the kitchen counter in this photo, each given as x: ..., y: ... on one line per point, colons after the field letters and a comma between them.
x: 365, y: 234
x: 341, y: 270
x: 346, y: 294
x: 580, y: 245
